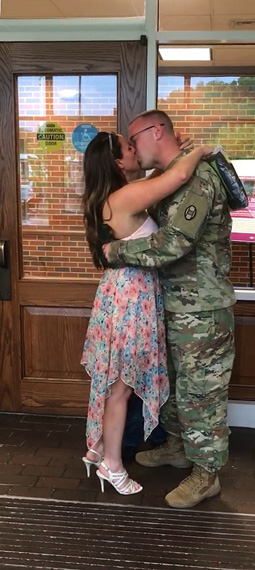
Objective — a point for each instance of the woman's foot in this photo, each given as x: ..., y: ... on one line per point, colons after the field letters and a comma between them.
x: 93, y: 457
x: 94, y: 454
x: 120, y: 480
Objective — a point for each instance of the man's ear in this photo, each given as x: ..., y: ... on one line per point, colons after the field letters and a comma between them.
x: 158, y: 132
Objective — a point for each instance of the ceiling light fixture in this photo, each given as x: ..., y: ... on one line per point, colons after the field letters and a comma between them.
x: 185, y: 54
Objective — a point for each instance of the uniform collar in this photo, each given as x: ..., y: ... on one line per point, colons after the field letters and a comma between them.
x: 172, y: 162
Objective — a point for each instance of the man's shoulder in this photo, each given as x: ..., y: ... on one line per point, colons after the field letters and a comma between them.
x: 199, y: 186
x: 204, y: 181
x: 206, y: 172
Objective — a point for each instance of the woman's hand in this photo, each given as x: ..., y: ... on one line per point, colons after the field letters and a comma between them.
x: 105, y: 249
x: 184, y: 144
x: 206, y: 150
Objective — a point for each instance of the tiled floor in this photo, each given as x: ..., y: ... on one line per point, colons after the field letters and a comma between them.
x: 41, y: 457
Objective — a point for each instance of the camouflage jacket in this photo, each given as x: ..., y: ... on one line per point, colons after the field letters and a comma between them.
x: 192, y: 247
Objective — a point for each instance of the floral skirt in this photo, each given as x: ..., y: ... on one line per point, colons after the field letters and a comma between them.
x: 126, y: 340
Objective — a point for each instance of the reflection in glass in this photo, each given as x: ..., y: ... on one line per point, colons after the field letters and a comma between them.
x: 55, y: 127
x: 215, y: 110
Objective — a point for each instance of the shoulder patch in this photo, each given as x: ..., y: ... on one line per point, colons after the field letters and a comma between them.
x: 191, y: 214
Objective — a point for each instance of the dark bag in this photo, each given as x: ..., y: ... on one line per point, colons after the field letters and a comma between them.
x: 236, y: 195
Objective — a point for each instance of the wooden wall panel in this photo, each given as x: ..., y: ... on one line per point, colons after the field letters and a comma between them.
x: 46, y: 397
x: 242, y: 384
x: 52, y: 341
x: 53, y: 381
x: 43, y: 293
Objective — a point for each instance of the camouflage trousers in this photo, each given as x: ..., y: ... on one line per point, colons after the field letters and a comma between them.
x: 200, y: 360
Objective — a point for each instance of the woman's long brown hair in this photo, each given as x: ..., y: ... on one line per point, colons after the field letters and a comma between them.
x: 102, y: 177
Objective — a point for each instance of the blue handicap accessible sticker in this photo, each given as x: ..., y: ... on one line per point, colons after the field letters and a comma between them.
x: 82, y: 135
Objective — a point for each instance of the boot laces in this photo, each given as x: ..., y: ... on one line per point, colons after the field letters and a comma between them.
x: 196, y: 479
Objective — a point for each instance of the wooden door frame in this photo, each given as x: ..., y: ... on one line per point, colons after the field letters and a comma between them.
x: 126, y: 59
x: 9, y: 315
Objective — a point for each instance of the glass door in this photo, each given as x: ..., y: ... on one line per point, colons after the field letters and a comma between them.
x: 55, y: 98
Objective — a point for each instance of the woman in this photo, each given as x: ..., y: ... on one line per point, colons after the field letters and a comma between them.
x: 125, y: 344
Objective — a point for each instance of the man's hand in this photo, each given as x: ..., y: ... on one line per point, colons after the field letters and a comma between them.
x: 106, y: 251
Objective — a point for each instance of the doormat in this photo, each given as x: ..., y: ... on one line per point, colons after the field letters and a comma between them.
x: 58, y: 535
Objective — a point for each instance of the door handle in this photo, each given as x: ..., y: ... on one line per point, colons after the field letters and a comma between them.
x: 5, y: 271
x: 2, y: 253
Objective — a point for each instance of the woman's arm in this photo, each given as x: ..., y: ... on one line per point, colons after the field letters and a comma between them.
x: 156, y: 172
x: 138, y: 196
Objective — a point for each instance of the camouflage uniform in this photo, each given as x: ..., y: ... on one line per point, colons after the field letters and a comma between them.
x: 192, y: 251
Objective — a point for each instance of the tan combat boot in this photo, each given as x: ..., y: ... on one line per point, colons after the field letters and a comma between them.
x: 169, y: 453
x: 194, y: 489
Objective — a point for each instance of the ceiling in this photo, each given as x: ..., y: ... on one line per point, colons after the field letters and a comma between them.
x: 207, y: 14
x: 174, y: 15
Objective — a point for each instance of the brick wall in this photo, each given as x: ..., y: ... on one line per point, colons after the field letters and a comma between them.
x: 47, y: 255
x: 220, y: 113
x: 53, y: 232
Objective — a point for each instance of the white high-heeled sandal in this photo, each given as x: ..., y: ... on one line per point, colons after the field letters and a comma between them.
x: 118, y: 480
x: 88, y: 462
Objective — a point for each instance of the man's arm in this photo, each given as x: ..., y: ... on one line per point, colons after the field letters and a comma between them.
x: 172, y: 241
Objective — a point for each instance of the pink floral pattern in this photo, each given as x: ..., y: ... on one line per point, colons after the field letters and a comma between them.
x: 126, y: 339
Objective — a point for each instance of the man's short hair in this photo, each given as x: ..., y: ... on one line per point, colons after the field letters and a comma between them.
x: 156, y: 115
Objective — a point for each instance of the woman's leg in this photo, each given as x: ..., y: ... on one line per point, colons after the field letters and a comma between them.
x: 114, y: 422
x: 113, y: 429
x: 115, y: 412
x: 99, y: 447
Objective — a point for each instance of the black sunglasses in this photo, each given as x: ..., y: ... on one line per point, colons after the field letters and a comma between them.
x: 142, y: 131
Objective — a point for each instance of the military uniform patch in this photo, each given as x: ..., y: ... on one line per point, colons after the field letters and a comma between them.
x: 191, y: 214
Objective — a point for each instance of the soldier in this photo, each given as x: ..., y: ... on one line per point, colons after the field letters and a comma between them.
x: 192, y: 252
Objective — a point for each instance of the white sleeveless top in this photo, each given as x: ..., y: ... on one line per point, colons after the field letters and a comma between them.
x: 148, y: 227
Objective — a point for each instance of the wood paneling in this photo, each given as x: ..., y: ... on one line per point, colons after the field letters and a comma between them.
x: 51, y: 396
x: 61, y: 294
x: 53, y: 341
x: 242, y: 385
x: 49, y: 57
x: 9, y: 322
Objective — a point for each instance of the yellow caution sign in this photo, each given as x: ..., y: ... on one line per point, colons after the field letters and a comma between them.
x: 51, y: 136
